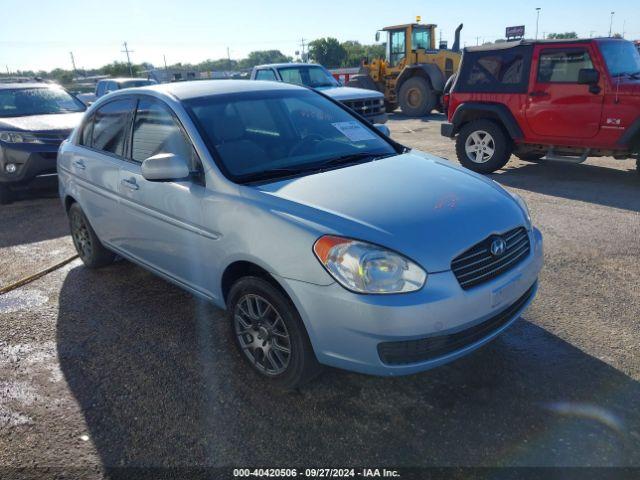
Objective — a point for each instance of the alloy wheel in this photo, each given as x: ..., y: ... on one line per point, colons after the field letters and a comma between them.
x: 80, y: 235
x: 480, y: 146
x: 262, y: 334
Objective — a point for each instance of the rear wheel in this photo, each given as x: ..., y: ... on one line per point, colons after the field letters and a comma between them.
x: 5, y: 194
x: 416, y: 97
x: 270, y: 334
x: 482, y: 146
x: 91, y: 251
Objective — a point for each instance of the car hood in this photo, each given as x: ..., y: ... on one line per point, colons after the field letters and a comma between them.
x: 349, y: 93
x: 43, y: 123
x: 416, y: 204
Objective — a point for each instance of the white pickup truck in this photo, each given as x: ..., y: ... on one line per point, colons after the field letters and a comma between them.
x: 368, y: 103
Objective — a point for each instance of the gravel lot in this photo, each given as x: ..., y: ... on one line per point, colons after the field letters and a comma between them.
x: 119, y: 368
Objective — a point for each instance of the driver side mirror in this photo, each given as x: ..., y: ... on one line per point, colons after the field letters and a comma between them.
x: 588, y: 76
x: 165, y: 167
x: 377, y: 36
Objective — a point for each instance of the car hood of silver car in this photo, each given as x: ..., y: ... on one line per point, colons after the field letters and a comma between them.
x: 416, y: 204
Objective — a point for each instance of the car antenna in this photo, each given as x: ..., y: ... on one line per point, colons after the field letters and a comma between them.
x: 617, y: 100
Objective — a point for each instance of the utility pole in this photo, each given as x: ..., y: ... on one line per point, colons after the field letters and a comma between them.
x: 537, y: 20
x: 302, y: 44
x: 624, y: 27
x: 73, y: 63
x: 477, y: 40
x: 127, y: 51
x: 228, y: 59
x: 611, y: 24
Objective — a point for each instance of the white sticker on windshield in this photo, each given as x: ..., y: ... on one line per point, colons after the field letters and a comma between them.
x: 354, y: 131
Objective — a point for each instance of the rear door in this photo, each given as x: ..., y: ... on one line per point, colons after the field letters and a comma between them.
x: 558, y: 106
x: 163, y: 220
x: 96, y: 166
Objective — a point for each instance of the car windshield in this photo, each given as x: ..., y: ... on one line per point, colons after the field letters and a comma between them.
x: 136, y: 83
x: 269, y: 134
x: 308, y: 76
x: 19, y: 102
x: 621, y: 57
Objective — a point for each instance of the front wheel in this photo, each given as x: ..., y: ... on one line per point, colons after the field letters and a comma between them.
x: 416, y: 97
x: 482, y: 146
x: 270, y: 334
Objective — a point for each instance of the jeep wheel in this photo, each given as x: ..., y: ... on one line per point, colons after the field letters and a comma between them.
x: 416, y: 97
x: 5, y: 194
x: 483, y: 147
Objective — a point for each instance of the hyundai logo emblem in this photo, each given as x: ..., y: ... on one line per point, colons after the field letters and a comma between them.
x: 498, y: 247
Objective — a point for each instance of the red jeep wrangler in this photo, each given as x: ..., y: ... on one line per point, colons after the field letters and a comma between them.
x: 564, y: 100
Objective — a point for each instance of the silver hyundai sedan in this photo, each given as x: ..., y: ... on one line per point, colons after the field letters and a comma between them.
x: 327, y: 242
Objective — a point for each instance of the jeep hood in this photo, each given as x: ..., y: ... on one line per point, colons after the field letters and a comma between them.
x: 42, y: 123
x: 416, y: 204
x: 349, y: 93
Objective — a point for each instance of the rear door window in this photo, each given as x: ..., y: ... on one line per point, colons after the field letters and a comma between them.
x: 497, y: 71
x: 110, y: 126
x: 266, y: 74
x: 562, y: 65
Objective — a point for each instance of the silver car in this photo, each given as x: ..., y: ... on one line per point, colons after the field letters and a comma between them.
x: 327, y: 242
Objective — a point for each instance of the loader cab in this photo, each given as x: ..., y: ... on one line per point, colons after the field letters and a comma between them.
x: 405, y: 39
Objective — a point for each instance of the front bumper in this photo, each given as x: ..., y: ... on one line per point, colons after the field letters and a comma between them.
x: 35, y: 164
x: 349, y: 330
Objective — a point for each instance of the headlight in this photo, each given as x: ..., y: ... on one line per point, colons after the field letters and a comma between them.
x: 366, y: 268
x: 524, y: 207
x: 15, y: 137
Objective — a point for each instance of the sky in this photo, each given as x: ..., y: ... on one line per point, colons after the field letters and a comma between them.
x: 40, y: 34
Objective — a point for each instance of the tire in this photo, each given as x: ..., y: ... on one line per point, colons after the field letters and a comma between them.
x: 263, y: 319
x: 491, y: 155
x: 416, y: 97
x: 91, y: 251
x: 362, y: 81
x: 530, y: 157
x: 6, y: 195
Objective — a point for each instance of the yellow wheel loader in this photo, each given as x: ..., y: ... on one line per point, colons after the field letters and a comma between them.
x: 414, y: 73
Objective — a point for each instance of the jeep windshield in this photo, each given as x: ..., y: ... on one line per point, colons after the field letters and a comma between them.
x: 20, y: 102
x: 622, y: 58
x: 262, y: 135
x: 309, y: 76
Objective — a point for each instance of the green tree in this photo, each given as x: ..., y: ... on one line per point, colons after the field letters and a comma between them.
x: 263, y: 56
x: 120, y: 69
x: 327, y: 51
x: 562, y: 35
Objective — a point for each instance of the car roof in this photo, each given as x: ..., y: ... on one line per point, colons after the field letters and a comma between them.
x: 17, y: 85
x: 406, y: 25
x: 288, y: 64
x: 121, y: 79
x: 518, y: 43
x: 205, y: 88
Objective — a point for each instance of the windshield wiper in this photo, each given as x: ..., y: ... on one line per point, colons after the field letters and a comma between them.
x: 351, y: 158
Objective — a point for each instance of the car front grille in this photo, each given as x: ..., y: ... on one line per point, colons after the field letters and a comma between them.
x: 52, y: 138
x: 478, y: 265
x: 367, y: 107
x: 424, y: 349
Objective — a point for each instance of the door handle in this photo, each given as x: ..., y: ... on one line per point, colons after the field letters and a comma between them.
x: 130, y: 183
x: 538, y: 93
x: 80, y: 164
